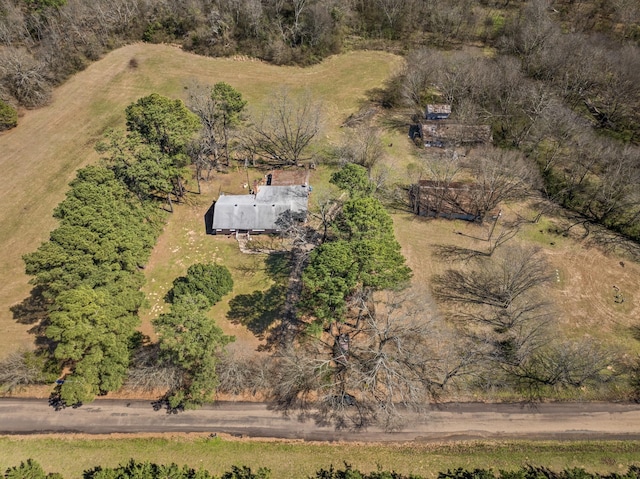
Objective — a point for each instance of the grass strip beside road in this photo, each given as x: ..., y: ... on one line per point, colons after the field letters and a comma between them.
x: 71, y: 455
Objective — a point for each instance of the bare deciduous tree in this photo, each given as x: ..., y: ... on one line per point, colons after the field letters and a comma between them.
x: 567, y: 363
x: 420, y: 74
x: 197, y: 151
x: 21, y: 368
x: 363, y: 146
x: 396, y: 355
x: 148, y: 372
x: 496, y: 237
x: 500, y: 176
x: 498, y: 303
x: 497, y: 284
x: 448, y: 21
x: 531, y: 32
x: 284, y: 132
x: 24, y: 77
x: 392, y: 10
x: 202, y: 104
x: 239, y: 374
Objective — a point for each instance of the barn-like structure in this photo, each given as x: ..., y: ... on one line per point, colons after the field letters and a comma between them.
x: 452, y: 200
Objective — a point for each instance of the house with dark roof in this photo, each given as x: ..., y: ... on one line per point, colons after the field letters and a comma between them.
x: 451, y: 200
x: 441, y: 134
x: 263, y: 211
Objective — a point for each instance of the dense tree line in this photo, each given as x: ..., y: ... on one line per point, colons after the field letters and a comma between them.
x: 45, y: 41
x: 88, y: 275
x: 133, y: 469
x: 576, y: 123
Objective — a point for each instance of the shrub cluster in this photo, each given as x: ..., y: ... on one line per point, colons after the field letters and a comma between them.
x: 30, y: 469
x: 8, y: 116
x: 211, y: 280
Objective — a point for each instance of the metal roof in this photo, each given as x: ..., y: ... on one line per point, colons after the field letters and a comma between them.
x: 260, y: 211
x: 441, y: 108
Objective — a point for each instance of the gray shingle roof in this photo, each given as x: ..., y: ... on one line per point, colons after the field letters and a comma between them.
x: 261, y: 211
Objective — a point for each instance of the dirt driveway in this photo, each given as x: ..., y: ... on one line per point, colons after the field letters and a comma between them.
x: 447, y: 422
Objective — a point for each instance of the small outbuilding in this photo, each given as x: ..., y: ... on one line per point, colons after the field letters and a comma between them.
x: 437, y: 112
x: 450, y: 200
x: 441, y: 134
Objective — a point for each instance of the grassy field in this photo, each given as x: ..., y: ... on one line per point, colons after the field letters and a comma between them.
x: 583, y: 293
x: 40, y: 156
x: 290, y: 460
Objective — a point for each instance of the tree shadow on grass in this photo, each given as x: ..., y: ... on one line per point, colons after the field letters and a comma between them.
x: 278, y: 267
x: 258, y: 311
x: 34, y: 311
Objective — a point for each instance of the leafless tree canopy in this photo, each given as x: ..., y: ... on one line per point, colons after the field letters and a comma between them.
x: 202, y: 104
x: 501, y: 176
x: 284, y: 132
x: 396, y: 355
x: 568, y: 363
x: 240, y: 374
x: 498, y: 304
x: 494, y: 283
x: 21, y: 368
x: 24, y: 77
x: 362, y: 146
x: 149, y: 373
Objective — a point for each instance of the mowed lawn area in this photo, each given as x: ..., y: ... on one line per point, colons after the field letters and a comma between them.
x: 41, y: 155
x: 71, y: 455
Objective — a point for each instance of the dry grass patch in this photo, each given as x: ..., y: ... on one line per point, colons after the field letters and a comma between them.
x: 583, y: 276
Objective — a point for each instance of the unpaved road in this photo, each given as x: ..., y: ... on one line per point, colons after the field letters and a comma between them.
x: 447, y: 422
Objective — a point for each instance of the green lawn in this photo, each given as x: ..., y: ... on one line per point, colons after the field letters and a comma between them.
x: 290, y: 460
